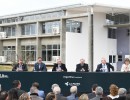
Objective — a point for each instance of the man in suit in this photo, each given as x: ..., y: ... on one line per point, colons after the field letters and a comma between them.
x: 82, y: 66
x: 40, y: 92
x: 59, y: 67
x: 17, y: 85
x: 73, y: 91
x: 39, y: 65
x: 57, y: 91
x: 104, y: 66
x: 20, y: 66
x: 99, y: 93
x: 92, y: 95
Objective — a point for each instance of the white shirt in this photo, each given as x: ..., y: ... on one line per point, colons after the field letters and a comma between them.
x: 125, y: 68
x: 104, y: 68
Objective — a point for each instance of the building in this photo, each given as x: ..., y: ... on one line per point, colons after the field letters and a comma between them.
x: 69, y: 32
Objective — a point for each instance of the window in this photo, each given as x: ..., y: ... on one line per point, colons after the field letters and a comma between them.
x: 28, y: 52
x: 119, y: 57
x: 73, y: 26
x: 29, y: 29
x: 9, y: 52
x: 10, y: 31
x: 50, y: 50
x: 112, y: 58
x: 117, y: 18
x: 111, y: 33
x: 47, y: 27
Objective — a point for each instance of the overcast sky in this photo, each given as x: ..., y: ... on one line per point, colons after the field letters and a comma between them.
x: 18, y: 6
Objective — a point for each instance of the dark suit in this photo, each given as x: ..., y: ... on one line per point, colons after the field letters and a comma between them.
x: 97, y: 98
x: 24, y: 67
x: 42, y: 67
x: 63, y: 67
x: 109, y: 66
x: 79, y: 68
x: 91, y: 95
x: 60, y: 97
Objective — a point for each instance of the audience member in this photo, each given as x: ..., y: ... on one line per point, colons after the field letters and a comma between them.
x: 17, y: 85
x: 13, y: 94
x: 99, y: 93
x: 40, y: 92
x: 25, y: 96
x: 57, y: 92
x: 92, y: 95
x: 59, y: 67
x: 34, y: 94
x: 20, y: 66
x: 82, y: 66
x: 39, y: 65
x: 84, y: 97
x: 113, y: 91
x: 3, y: 95
x: 126, y: 66
x: 53, y: 86
x: 50, y: 96
x: 73, y: 91
x: 122, y: 93
x: 128, y: 97
x: 104, y: 66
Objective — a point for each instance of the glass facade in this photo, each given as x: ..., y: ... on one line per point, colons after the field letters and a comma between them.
x: 10, y: 30
x: 33, y: 17
x: 71, y: 26
x: 28, y: 52
x: 9, y: 52
x: 112, y: 33
x: 28, y: 29
x: 48, y: 51
x: 117, y: 19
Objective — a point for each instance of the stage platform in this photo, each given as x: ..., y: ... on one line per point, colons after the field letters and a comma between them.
x: 84, y: 80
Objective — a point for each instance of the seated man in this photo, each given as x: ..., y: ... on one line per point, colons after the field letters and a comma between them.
x: 59, y: 66
x: 39, y: 65
x: 104, y: 66
x: 82, y: 67
x: 20, y: 66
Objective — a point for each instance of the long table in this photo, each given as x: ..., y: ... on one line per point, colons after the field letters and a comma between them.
x: 84, y: 81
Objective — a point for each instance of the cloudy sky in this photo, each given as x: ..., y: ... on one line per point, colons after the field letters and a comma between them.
x: 17, y: 6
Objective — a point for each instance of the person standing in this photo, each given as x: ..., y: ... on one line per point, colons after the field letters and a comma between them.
x: 126, y: 66
x: 39, y: 65
x: 104, y: 66
x: 82, y: 66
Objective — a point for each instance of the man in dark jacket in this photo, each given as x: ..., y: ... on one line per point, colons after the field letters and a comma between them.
x: 82, y: 67
x: 59, y: 67
x: 20, y: 66
x: 104, y: 66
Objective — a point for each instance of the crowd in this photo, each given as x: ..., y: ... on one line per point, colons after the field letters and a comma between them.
x: 16, y: 93
x: 81, y: 67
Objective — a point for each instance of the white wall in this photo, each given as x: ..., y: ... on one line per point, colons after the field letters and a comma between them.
x: 77, y: 46
x: 103, y: 47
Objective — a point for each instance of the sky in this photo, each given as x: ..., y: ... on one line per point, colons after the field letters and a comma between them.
x: 17, y: 6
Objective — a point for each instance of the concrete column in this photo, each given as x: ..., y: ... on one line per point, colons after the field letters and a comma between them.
x: 39, y: 28
x: 90, y: 37
x: 1, y: 47
x: 63, y: 40
x: 38, y: 47
x: 38, y: 40
x: 18, y: 30
x: 18, y: 49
